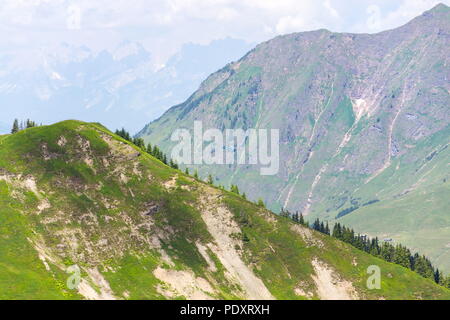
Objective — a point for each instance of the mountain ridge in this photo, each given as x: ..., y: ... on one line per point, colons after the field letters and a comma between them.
x: 362, y: 119
x: 101, y: 86
x: 74, y: 195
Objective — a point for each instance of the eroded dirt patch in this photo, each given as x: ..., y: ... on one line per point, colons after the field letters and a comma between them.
x: 329, y: 285
x: 307, y: 235
x: 221, y: 225
x: 183, y: 283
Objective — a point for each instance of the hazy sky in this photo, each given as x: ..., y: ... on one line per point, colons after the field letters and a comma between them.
x: 164, y: 25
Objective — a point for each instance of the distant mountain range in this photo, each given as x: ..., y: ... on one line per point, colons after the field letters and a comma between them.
x: 119, y: 88
x: 364, y: 127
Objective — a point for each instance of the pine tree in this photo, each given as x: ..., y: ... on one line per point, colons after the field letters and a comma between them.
x: 30, y: 124
x: 284, y: 213
x: 155, y: 152
x: 423, y: 267
x: 234, y: 189
x: 139, y: 142
x: 301, y: 220
x: 186, y: 171
x: 446, y: 282
x: 337, y: 231
x: 316, y: 225
x: 402, y: 256
x: 261, y: 203
x: 437, y: 276
x: 15, y: 127
x: 124, y: 134
x: 210, y: 179
x: 387, y: 252
x: 150, y: 149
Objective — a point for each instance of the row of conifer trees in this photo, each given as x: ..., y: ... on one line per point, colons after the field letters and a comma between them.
x: 22, y: 125
x: 152, y: 150
x: 385, y: 250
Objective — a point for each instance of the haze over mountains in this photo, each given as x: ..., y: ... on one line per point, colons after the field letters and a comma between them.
x: 364, y: 132
x: 120, y: 87
x: 364, y: 127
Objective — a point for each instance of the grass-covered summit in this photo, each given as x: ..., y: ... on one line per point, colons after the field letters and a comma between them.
x: 73, y: 193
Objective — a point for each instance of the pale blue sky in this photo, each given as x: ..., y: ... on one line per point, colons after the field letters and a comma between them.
x: 163, y: 26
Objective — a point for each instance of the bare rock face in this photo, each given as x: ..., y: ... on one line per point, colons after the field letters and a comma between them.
x: 362, y: 117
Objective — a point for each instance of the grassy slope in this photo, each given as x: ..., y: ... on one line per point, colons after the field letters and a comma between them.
x: 290, y: 253
x: 227, y: 107
x: 414, y: 203
x: 90, y: 205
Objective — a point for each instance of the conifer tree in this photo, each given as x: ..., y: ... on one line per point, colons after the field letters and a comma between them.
x: 149, y: 149
x: 139, y: 142
x: 337, y: 231
x: 261, y: 203
x: 301, y: 220
x: 30, y: 124
x: 437, y: 276
x: 234, y: 189
x: 15, y: 127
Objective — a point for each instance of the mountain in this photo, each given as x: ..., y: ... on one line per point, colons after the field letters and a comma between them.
x: 363, y: 122
x: 67, y: 81
x: 77, y: 199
